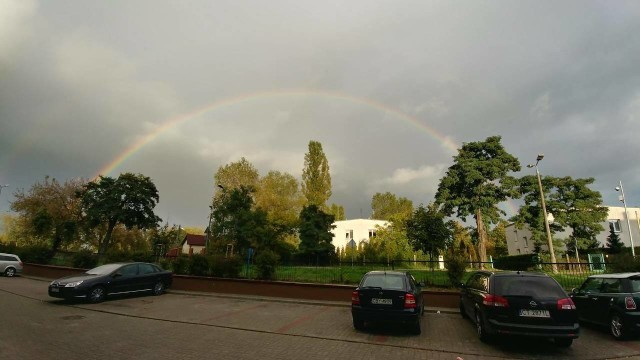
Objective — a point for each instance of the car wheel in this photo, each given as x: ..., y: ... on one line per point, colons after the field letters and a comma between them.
x: 616, y: 327
x: 563, y: 342
x: 158, y: 288
x: 10, y: 272
x: 463, y: 312
x: 97, y: 294
x: 358, y: 324
x: 480, y: 328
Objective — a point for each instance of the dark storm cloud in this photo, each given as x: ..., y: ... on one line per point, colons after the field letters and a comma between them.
x: 84, y: 81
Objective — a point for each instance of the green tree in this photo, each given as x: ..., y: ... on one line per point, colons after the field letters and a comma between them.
x: 387, y: 207
x: 237, y: 174
x: 391, y: 243
x: 128, y: 200
x: 427, y: 230
x: 316, y: 179
x: 476, y: 183
x: 337, y: 211
x: 50, y: 210
x: 462, y: 241
x: 498, y: 240
x: 614, y: 243
x: 315, y: 234
x: 279, y: 195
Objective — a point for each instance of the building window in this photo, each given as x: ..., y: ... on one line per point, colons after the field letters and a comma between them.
x: 349, y: 234
x: 518, y: 250
x: 615, y: 223
x: 372, y: 233
x: 526, y: 242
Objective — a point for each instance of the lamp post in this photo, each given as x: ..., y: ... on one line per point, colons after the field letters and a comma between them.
x: 3, y: 186
x: 544, y: 213
x: 626, y: 213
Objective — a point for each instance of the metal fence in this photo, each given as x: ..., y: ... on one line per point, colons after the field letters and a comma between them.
x: 432, y: 273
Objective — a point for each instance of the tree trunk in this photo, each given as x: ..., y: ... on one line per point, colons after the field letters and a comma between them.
x: 104, y: 244
x: 482, y: 238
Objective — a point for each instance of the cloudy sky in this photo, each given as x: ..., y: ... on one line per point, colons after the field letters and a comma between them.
x: 173, y: 90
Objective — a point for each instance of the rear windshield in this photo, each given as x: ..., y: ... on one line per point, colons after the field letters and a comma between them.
x: 635, y: 284
x: 537, y: 286
x: 394, y: 282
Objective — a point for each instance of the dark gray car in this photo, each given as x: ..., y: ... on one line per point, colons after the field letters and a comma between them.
x: 10, y: 265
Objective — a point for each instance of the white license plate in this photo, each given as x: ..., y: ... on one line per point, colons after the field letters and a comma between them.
x: 381, y: 301
x: 55, y: 289
x: 535, y: 313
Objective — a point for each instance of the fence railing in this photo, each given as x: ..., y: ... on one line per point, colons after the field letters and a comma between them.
x: 432, y: 273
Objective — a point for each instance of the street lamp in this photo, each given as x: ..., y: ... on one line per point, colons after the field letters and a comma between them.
x: 3, y: 186
x: 544, y: 213
x: 624, y: 201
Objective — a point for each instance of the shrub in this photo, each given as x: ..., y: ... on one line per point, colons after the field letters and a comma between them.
x: 37, y: 254
x: 456, y: 267
x: 623, y: 263
x: 266, y: 262
x: 181, y: 265
x: 517, y: 262
x: 225, y: 267
x: 142, y: 256
x: 113, y: 256
x: 165, y: 263
x: 84, y: 259
x: 198, y: 265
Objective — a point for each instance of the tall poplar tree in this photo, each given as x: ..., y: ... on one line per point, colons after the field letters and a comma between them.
x: 316, y: 179
x: 476, y: 183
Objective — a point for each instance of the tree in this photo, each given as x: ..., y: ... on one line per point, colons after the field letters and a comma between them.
x: 50, y: 211
x: 476, y: 183
x: 427, y: 230
x: 316, y: 179
x: 337, y: 211
x: 128, y: 200
x: 279, y: 195
x: 315, y: 233
x: 461, y: 241
x: 237, y: 174
x: 498, y: 238
x: 390, y: 243
x: 387, y: 207
x: 613, y: 241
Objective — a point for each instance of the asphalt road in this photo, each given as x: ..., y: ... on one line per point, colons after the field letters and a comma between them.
x: 191, y: 326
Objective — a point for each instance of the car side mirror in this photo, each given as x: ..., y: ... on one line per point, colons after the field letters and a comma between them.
x: 574, y: 291
x: 421, y: 284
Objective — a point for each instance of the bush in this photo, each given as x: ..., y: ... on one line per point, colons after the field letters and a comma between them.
x: 142, y: 256
x: 623, y: 263
x: 181, y: 265
x: 165, y: 263
x: 266, y: 262
x: 456, y: 267
x: 37, y: 254
x: 225, y: 267
x: 84, y: 259
x: 198, y: 265
x: 517, y: 262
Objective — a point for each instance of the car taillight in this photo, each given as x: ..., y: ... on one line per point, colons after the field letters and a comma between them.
x: 355, y: 298
x: 409, y: 301
x: 494, y: 300
x: 566, y: 304
x: 629, y: 303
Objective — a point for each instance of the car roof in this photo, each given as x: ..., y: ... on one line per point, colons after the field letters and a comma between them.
x: 511, y: 273
x: 383, y: 272
x: 616, y: 275
x: 8, y: 254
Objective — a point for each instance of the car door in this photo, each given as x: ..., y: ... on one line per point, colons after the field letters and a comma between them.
x: 610, y: 290
x: 147, y: 277
x: 124, y: 279
x: 585, y: 299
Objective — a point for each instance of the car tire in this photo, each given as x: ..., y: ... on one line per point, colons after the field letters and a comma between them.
x: 97, y: 294
x: 563, y: 342
x: 617, y: 327
x: 463, y: 312
x: 158, y: 288
x: 481, y: 328
x: 10, y: 272
x: 358, y: 324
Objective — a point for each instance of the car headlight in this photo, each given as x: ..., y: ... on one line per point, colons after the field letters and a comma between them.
x: 73, y: 284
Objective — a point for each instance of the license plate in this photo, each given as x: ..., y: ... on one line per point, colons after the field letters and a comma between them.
x: 55, y: 289
x: 534, y: 313
x: 381, y: 301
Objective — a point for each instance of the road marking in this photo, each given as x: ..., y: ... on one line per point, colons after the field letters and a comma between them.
x: 302, y: 320
x: 232, y: 313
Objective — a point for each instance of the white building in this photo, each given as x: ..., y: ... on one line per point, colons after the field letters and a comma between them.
x: 358, y: 230
x: 519, y: 240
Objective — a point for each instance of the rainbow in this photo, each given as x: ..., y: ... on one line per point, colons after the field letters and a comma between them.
x: 446, y: 141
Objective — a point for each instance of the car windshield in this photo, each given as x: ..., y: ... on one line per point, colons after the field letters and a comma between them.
x: 384, y: 281
x: 534, y: 286
x: 104, y: 269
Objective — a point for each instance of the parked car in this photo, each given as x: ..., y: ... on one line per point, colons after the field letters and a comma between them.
x: 111, y: 279
x: 519, y: 303
x: 10, y: 265
x: 610, y: 299
x: 387, y: 296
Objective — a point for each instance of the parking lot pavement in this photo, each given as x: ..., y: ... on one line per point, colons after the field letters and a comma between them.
x: 296, y: 326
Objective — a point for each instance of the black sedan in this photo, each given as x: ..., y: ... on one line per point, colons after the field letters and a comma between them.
x: 387, y: 296
x: 612, y: 300
x: 111, y: 279
x: 519, y: 303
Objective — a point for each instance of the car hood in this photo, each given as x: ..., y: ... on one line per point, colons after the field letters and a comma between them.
x: 73, y: 278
